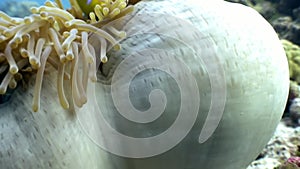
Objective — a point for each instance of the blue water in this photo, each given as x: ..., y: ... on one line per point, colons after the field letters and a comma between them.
x: 19, y: 8
x: 40, y: 2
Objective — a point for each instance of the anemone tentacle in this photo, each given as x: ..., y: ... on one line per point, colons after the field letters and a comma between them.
x: 58, y: 37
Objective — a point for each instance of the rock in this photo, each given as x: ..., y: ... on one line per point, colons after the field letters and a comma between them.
x: 288, y: 166
x: 282, y: 24
x: 287, y: 6
x: 294, y: 92
x: 284, y: 15
x: 288, y: 24
x: 296, y: 13
x: 294, y: 111
x: 280, y: 146
x: 294, y: 33
x: 266, y: 9
x: 265, y: 163
x: 274, y: 1
x: 244, y: 2
x: 294, y: 160
x: 291, y: 163
x: 283, y: 145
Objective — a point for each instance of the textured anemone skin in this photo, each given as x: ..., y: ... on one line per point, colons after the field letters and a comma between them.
x: 257, y: 83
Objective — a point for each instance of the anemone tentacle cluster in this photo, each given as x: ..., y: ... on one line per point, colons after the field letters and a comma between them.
x: 58, y: 38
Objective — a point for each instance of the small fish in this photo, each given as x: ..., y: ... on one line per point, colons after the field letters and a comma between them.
x: 88, y: 2
x: 87, y: 5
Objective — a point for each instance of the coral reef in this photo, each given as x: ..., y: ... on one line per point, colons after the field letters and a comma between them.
x: 284, y: 15
x: 283, y: 145
x: 244, y: 2
x: 294, y: 112
x: 288, y: 166
x: 287, y: 28
x: 294, y: 93
x: 294, y: 160
x: 264, y: 163
x: 275, y: 7
x: 18, y: 8
x: 265, y: 8
x: 293, y: 55
x: 291, y: 163
x: 52, y: 37
x: 288, y: 7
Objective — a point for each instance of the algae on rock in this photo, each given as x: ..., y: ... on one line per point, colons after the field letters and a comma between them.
x: 293, y: 54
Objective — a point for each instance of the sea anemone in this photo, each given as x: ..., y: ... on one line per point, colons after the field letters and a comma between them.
x: 52, y: 37
x: 195, y: 84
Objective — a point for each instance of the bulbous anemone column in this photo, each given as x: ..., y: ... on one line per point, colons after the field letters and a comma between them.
x: 244, y: 46
x: 256, y: 75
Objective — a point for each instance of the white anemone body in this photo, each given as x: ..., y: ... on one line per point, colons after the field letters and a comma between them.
x: 241, y: 46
